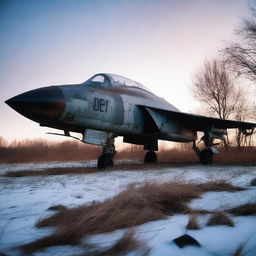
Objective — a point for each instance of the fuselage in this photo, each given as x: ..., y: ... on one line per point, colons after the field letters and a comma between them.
x: 102, y: 104
x: 109, y: 109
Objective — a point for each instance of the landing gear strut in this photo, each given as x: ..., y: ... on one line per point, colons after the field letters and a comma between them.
x: 150, y: 157
x: 206, y: 155
x: 106, y: 159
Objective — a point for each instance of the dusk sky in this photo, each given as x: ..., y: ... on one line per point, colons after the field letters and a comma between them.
x: 159, y: 43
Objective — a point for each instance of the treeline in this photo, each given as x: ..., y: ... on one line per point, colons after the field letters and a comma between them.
x: 41, y: 150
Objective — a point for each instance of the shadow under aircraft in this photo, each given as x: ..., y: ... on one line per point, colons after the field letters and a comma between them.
x: 107, y: 106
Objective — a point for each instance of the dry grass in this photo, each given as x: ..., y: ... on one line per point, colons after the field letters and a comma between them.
x: 51, y: 171
x: 233, y: 155
x: 245, y: 209
x: 183, y: 153
x: 71, y: 150
x: 130, y: 152
x: 219, y: 186
x: 220, y: 218
x: 136, y: 205
x: 43, y: 150
x: 193, y: 222
x: 85, y: 170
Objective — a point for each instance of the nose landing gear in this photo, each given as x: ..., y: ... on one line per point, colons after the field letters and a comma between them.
x: 108, y: 152
x: 205, y: 156
x: 150, y: 157
x: 105, y: 160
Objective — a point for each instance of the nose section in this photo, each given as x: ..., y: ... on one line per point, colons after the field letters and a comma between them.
x: 47, y: 103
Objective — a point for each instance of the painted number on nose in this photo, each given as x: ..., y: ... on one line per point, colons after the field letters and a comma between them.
x: 100, y: 104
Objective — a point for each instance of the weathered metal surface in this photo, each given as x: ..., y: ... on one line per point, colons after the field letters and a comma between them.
x: 95, y: 137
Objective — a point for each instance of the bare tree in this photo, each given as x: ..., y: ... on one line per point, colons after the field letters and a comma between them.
x: 242, y: 55
x: 244, y: 110
x: 214, y: 87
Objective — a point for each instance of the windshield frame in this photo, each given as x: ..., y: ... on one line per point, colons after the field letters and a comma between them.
x: 112, y: 81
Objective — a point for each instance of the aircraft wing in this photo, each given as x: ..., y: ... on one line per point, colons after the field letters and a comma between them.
x: 198, y: 122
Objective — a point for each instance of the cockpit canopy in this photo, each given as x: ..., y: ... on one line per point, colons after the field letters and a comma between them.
x: 111, y: 80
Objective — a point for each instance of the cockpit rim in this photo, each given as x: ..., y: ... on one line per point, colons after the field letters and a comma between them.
x: 112, y: 80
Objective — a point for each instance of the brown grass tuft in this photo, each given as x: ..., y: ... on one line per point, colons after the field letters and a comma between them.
x: 52, y: 171
x: 193, y: 222
x: 136, y: 205
x: 245, y: 209
x: 219, y: 186
x: 220, y: 218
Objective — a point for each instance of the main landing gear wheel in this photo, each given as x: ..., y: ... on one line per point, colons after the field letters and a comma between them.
x: 205, y: 156
x: 108, y: 152
x: 150, y: 157
x: 105, y: 160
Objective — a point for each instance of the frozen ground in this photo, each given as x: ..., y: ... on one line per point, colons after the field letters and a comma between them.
x: 24, y: 200
x: 45, y: 165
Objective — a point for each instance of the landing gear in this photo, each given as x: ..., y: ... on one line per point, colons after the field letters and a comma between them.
x: 106, y: 159
x: 150, y: 157
x: 205, y: 156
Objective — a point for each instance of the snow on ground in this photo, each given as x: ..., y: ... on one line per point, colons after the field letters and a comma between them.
x: 24, y: 200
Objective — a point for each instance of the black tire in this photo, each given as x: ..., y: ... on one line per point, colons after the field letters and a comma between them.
x: 104, y: 161
x: 150, y: 157
x: 205, y: 156
x: 109, y: 160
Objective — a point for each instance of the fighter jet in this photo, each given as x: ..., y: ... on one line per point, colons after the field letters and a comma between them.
x: 107, y: 106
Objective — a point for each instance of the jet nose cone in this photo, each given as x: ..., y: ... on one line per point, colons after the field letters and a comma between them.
x: 9, y: 102
x: 40, y: 104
